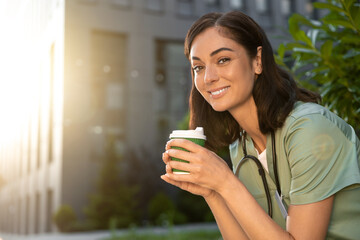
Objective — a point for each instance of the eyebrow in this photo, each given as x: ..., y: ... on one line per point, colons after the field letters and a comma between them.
x: 215, y: 52
x: 220, y: 50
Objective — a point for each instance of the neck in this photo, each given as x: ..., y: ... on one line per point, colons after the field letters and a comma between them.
x: 246, y: 116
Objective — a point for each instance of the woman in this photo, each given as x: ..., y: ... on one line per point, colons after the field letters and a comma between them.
x: 245, y: 101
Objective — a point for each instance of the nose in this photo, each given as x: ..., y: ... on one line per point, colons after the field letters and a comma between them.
x: 211, y: 75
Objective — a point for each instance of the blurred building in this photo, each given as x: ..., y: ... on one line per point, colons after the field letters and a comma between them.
x: 97, y: 70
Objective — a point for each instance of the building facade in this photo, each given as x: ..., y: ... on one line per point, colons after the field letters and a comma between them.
x: 32, y: 56
x: 96, y: 70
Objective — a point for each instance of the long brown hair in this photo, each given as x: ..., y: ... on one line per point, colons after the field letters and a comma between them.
x: 274, y: 92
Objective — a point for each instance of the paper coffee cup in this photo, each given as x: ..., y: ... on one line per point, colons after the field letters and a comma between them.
x: 197, y: 136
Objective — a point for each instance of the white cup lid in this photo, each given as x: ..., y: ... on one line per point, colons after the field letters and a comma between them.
x: 197, y: 133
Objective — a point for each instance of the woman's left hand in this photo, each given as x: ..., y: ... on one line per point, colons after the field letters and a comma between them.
x: 205, y: 167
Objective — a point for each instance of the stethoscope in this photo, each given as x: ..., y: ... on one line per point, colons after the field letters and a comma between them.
x: 261, y: 168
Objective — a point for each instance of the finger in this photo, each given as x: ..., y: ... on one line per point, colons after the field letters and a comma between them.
x: 178, y: 184
x: 184, y: 143
x: 168, y: 169
x: 180, y: 177
x: 184, y: 166
x: 169, y: 180
x: 165, y: 157
x: 181, y: 154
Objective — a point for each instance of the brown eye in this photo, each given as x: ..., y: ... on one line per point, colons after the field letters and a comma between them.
x: 223, y: 60
x: 197, y: 68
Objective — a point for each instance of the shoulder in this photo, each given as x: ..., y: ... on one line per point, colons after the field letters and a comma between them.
x: 313, y: 111
x: 310, y: 119
x: 322, y: 153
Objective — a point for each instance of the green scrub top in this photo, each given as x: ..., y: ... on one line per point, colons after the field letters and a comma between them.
x: 318, y: 155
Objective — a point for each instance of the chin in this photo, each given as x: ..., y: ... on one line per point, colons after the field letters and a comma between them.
x: 219, y: 108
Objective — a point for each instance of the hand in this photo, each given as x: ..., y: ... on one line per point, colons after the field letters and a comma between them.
x: 206, y: 169
x: 187, y: 186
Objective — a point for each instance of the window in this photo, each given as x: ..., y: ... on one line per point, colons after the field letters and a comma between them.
x: 121, y: 3
x: 28, y: 219
x: 173, y: 90
x: 287, y: 7
x: 19, y: 216
x: 88, y: 1
x: 114, y: 96
x: 109, y: 66
x: 212, y: 5
x: 51, y: 105
x: 311, y: 11
x: 155, y: 5
x: 108, y: 93
x: 37, y: 212
x: 39, y: 141
x: 185, y: 8
x: 21, y: 158
x: 262, y: 6
x: 237, y: 4
x: 49, y: 210
x: 29, y: 148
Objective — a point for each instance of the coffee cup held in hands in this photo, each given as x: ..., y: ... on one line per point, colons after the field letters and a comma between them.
x: 197, y: 136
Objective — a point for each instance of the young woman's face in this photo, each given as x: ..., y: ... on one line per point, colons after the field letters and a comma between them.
x: 223, y: 72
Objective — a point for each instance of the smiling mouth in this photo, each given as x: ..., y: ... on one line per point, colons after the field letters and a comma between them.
x: 218, y: 92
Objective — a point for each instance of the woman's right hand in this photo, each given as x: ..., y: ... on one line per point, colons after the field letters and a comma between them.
x: 187, y: 186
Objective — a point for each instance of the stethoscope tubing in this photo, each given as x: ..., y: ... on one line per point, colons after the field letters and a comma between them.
x: 261, y: 169
x: 263, y: 178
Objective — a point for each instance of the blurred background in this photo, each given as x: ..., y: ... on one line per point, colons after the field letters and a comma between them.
x: 89, y: 92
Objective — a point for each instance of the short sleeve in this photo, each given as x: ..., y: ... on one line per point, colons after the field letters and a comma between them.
x: 323, y: 158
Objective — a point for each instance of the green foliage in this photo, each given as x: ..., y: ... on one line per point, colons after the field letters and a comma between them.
x: 142, y: 168
x: 194, y: 207
x: 114, y: 201
x: 162, y: 211
x: 198, y: 235
x: 65, y: 218
x: 325, y: 55
x: 184, y: 123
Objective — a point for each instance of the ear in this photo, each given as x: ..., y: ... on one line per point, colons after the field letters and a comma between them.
x: 257, y: 61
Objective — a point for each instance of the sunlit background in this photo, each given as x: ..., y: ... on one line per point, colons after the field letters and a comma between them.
x: 79, y: 75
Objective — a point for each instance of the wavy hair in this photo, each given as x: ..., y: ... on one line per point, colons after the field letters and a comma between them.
x: 274, y: 92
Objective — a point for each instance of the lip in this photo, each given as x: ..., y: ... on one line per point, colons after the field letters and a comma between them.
x: 218, y: 92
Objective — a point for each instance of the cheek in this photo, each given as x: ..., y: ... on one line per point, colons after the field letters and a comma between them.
x: 198, y: 83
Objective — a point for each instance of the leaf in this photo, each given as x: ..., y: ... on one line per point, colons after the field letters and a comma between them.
x: 353, y: 89
x: 293, y: 25
x: 341, y: 23
x: 350, y: 39
x: 326, y: 52
x: 316, y: 23
x: 351, y: 53
x: 300, y: 35
x: 290, y: 46
x: 279, y: 61
x: 305, y: 50
x: 348, y: 3
x: 326, y: 49
x: 321, y: 68
x: 313, y: 33
x: 300, y: 19
x: 281, y: 51
x: 328, y: 6
x: 355, y: 14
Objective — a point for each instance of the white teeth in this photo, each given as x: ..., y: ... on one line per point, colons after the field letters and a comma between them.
x: 219, y: 91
